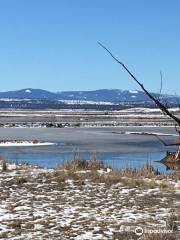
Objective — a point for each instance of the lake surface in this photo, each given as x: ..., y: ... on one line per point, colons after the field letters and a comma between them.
x: 109, y: 144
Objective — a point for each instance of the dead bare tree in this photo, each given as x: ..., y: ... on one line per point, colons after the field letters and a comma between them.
x: 157, y: 102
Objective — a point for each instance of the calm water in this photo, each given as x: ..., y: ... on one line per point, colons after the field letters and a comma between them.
x: 53, y: 156
x: 115, y: 150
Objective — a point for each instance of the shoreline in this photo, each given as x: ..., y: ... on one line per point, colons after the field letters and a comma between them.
x: 94, y: 138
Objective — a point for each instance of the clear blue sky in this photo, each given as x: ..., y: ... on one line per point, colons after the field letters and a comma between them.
x: 52, y: 44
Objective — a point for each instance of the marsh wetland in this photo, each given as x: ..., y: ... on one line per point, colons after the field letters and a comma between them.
x: 50, y: 192
x: 118, y: 147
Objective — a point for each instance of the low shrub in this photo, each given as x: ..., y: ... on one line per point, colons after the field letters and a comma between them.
x: 21, y: 180
x: 82, y: 164
x: 4, y: 165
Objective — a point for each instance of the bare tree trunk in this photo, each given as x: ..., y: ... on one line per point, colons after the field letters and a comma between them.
x: 161, y: 106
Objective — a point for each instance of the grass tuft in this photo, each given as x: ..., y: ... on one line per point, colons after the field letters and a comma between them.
x: 82, y: 164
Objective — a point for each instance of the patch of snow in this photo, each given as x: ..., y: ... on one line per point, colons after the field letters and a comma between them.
x: 88, y: 235
x: 38, y: 226
x: 24, y: 143
x: 82, y: 102
x: 12, y: 166
x: 21, y: 208
x: 126, y: 190
x: 152, y: 133
x: 28, y: 91
x: 147, y: 110
x: 14, y: 99
x: 133, y: 91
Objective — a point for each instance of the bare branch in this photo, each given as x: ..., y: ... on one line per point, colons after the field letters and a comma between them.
x: 161, y: 82
x: 177, y: 130
x: 156, y: 101
x: 166, y: 144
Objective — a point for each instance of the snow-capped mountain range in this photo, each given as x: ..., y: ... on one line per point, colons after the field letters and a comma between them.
x: 109, y: 95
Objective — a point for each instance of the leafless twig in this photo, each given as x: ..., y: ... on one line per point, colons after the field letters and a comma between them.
x: 161, y: 82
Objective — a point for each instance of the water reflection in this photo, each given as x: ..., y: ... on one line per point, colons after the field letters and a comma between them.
x: 53, y: 156
x: 172, y: 166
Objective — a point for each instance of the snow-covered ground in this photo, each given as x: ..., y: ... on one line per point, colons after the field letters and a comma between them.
x: 83, y: 102
x: 148, y: 110
x: 44, y: 204
x: 76, y: 117
x: 148, y: 133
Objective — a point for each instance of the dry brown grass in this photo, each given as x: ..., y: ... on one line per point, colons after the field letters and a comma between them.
x: 165, y: 236
x: 151, y: 236
x: 81, y: 164
x: 79, y: 170
x: 4, y: 165
x: 21, y: 180
x: 172, y: 221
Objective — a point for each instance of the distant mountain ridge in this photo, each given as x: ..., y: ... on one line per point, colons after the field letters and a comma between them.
x: 110, y: 95
x: 28, y: 93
